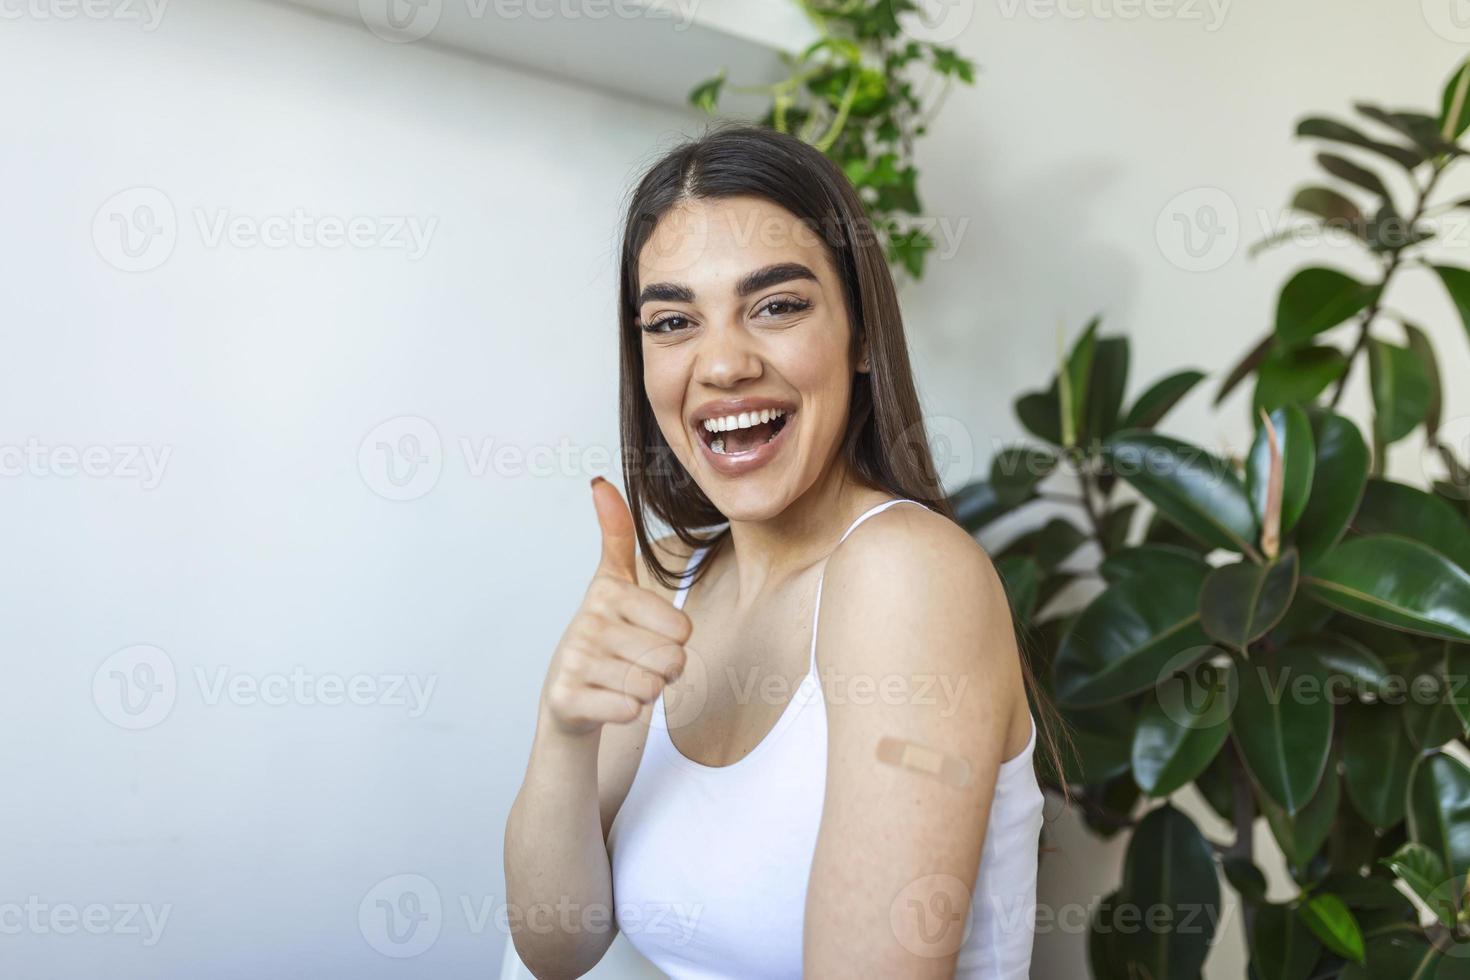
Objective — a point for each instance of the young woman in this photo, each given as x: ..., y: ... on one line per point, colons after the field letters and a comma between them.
x: 803, y: 747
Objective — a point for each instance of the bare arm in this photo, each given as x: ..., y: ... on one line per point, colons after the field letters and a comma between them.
x: 910, y: 773
x: 612, y: 662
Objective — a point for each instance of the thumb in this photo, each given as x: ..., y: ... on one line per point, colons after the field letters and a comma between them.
x: 619, y: 557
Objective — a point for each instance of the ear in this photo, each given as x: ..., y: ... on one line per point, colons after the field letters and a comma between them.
x: 863, y: 361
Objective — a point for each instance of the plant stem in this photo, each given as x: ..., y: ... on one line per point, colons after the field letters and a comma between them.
x: 1394, y: 259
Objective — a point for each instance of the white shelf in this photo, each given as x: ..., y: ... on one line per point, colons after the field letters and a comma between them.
x: 654, y: 50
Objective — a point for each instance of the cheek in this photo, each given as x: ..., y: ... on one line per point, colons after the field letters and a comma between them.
x: 664, y: 385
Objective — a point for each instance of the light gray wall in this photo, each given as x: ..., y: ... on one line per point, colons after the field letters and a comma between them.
x: 266, y: 537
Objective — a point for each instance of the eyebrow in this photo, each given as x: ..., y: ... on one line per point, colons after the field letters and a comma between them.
x: 771, y: 275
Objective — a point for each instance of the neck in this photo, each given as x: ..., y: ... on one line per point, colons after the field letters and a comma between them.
x: 770, y: 553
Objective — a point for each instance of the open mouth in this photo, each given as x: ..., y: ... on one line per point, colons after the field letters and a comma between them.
x: 743, y: 433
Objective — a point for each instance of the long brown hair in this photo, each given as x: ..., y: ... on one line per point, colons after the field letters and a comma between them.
x: 885, y: 443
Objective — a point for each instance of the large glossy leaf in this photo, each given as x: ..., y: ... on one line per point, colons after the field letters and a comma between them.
x: 1283, y: 737
x: 1396, y: 582
x: 1051, y: 544
x: 1177, y: 738
x: 1457, y: 282
x: 1317, y: 299
x: 1169, y: 866
x: 1376, y: 757
x: 1397, y: 508
x: 1439, y: 812
x: 1103, y: 743
x: 1283, y: 947
x: 1156, y: 558
x: 976, y: 505
x: 1298, y: 459
x: 1022, y: 576
x: 1240, y: 602
x: 1040, y: 413
x: 1126, y: 637
x: 1349, y: 670
x: 1109, y: 377
x: 1337, y: 483
x: 1400, y: 956
x: 1194, y: 489
x: 1302, y: 835
x: 1401, y: 390
x: 1457, y: 679
x: 1016, y: 470
x: 1296, y: 375
x: 1155, y: 403
x: 1424, y: 872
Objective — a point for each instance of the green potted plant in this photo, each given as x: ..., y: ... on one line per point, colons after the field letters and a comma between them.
x: 1289, y: 630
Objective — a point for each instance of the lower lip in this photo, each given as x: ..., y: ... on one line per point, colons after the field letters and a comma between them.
x: 739, y: 464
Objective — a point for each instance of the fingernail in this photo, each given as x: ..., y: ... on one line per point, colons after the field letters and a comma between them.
x: 593, y: 482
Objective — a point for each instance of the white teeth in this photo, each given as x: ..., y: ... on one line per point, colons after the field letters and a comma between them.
x: 742, y: 421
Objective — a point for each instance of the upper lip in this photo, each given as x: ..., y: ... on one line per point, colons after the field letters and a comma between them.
x: 721, y: 407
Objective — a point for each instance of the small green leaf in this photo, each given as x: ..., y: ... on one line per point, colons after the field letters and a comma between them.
x: 1240, y: 603
x: 1334, y: 924
x: 1317, y: 299
x: 1401, y: 390
x: 1194, y: 489
x: 1155, y: 403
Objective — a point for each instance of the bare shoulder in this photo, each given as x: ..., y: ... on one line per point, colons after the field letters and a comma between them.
x: 911, y: 569
x: 915, y: 546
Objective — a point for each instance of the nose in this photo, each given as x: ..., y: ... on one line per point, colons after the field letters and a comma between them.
x: 727, y: 356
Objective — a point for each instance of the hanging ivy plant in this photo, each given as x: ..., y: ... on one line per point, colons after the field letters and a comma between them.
x: 851, y: 93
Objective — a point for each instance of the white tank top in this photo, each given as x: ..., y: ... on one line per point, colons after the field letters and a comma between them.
x: 710, y: 863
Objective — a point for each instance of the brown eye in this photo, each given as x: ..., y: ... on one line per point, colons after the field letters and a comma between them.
x: 785, y: 306
x: 667, y: 324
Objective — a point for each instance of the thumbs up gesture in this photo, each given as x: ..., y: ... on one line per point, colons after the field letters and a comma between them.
x: 625, y: 642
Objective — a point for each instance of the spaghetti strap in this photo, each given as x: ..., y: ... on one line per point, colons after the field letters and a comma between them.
x: 685, y: 577
x: 817, y: 606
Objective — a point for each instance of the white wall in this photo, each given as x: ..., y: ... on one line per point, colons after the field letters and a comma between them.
x: 269, y: 544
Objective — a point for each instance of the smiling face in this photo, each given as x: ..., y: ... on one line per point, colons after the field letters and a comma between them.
x: 745, y: 341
